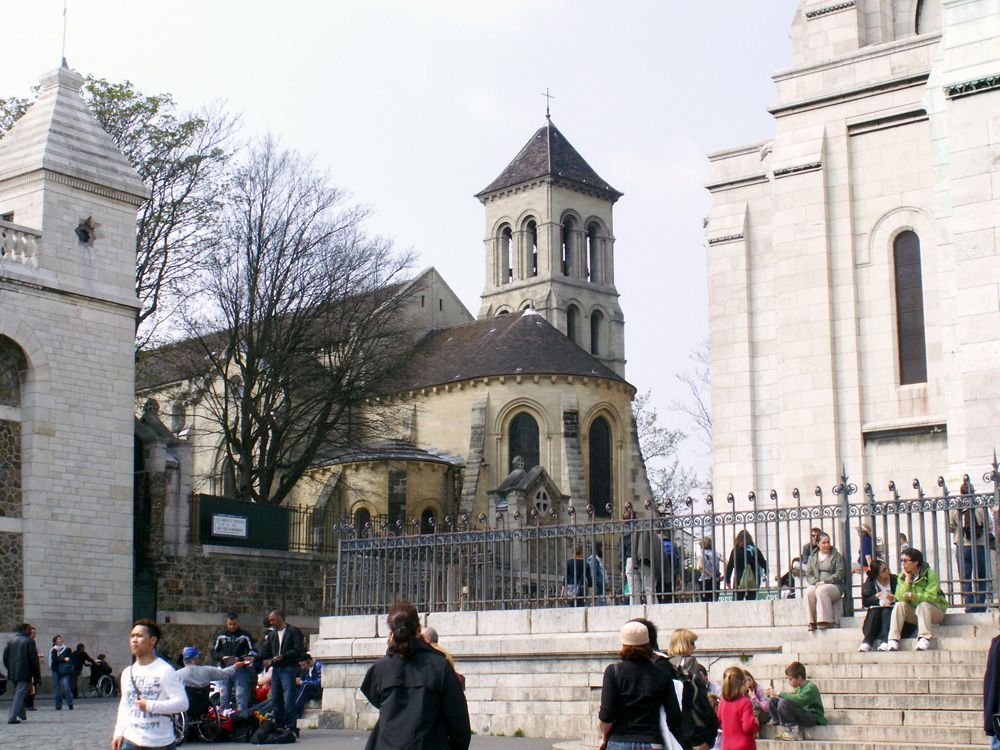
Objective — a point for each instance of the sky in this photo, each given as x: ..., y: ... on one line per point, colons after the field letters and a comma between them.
x: 414, y: 106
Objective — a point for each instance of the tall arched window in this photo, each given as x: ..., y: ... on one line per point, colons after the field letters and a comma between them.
x: 504, y: 266
x: 532, y: 239
x: 567, y: 245
x: 428, y: 522
x: 363, y: 523
x: 596, y: 333
x: 928, y: 16
x: 910, y: 336
x: 13, y: 365
x: 593, y: 254
x: 599, y: 474
x: 522, y: 437
x: 572, y: 323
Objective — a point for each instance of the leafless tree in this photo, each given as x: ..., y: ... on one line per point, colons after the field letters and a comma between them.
x: 670, y: 481
x: 297, y: 323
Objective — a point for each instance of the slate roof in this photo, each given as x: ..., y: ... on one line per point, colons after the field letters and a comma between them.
x: 386, y: 450
x: 58, y: 133
x: 522, y: 344
x: 549, y: 153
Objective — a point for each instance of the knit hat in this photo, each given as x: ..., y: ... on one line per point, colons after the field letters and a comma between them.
x: 635, y: 634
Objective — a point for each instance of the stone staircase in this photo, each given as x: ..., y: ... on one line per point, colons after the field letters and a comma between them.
x: 874, y: 701
x: 885, y: 701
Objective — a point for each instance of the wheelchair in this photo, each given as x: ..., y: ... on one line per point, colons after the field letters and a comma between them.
x: 200, y: 720
x: 103, y: 688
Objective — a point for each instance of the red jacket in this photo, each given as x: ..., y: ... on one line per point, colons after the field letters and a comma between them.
x: 739, y: 725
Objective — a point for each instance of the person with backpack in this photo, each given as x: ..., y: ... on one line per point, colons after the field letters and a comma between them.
x: 705, y: 722
x: 970, y: 532
x: 151, y: 693
x: 746, y: 567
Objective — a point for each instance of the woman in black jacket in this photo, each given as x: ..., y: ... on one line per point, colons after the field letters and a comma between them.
x: 420, y: 700
x: 877, y: 595
x: 744, y: 556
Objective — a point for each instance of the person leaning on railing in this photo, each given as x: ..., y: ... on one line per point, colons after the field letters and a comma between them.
x: 824, y: 573
x: 918, y: 599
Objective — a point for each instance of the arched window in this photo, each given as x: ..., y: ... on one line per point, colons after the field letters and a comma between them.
x: 572, y: 323
x: 532, y: 238
x: 596, y: 333
x: 224, y: 481
x: 363, y: 523
x: 567, y: 246
x: 910, y: 337
x: 428, y: 522
x: 599, y: 474
x: 504, y: 266
x: 12, y: 367
x: 522, y: 437
x: 593, y: 254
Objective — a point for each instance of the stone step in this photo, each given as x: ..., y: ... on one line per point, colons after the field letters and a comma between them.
x: 905, y: 656
x: 901, y: 736
x: 911, y: 686
x: 905, y: 701
x: 946, y: 717
x: 883, y: 668
x: 885, y: 744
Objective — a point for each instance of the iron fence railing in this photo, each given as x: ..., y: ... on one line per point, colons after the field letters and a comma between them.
x: 529, y: 562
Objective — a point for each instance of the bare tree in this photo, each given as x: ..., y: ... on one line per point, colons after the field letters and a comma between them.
x: 296, y: 323
x: 698, y: 380
x: 670, y: 481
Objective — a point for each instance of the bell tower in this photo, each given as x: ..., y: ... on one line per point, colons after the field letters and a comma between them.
x: 550, y: 245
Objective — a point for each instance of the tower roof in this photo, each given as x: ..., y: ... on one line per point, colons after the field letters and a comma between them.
x: 549, y: 153
x: 59, y: 134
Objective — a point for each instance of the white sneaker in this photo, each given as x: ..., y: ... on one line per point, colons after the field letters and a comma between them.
x: 891, y: 645
x: 782, y: 735
x: 865, y: 646
x: 923, y: 644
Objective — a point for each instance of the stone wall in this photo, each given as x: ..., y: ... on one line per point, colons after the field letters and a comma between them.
x: 11, y: 581
x: 541, y: 670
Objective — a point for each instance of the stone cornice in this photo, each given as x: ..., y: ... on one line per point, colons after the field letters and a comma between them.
x: 828, y: 9
x: 968, y: 88
x: 847, y: 95
x: 74, y: 182
x: 797, y: 169
x: 548, y: 181
x: 736, y: 182
x: 514, y: 379
x: 724, y: 239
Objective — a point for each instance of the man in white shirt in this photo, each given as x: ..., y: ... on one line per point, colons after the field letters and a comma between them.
x: 151, y: 692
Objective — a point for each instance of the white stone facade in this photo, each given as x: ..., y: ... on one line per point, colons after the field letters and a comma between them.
x: 886, y: 123
x: 67, y: 302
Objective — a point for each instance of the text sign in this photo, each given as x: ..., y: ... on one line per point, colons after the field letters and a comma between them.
x: 232, y: 526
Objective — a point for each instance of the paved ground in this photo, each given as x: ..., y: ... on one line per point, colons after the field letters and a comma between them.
x: 89, y: 727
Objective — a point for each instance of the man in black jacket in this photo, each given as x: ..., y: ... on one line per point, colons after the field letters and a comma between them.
x: 20, y: 658
x: 284, y: 647
x: 229, y: 647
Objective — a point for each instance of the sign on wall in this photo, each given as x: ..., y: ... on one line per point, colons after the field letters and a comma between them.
x: 229, y: 526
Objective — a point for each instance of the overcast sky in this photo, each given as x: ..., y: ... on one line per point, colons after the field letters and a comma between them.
x: 415, y: 106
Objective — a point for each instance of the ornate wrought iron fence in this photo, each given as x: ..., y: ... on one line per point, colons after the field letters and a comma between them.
x: 534, y: 562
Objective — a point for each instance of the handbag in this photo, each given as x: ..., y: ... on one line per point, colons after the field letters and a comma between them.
x: 572, y: 590
x: 748, y: 581
x: 65, y: 669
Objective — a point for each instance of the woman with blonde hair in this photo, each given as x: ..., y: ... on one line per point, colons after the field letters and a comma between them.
x: 739, y: 725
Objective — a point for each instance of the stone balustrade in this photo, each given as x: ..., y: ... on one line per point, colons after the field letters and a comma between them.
x: 19, y: 245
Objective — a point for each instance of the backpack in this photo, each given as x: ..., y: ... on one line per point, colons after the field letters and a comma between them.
x: 697, y: 706
x: 748, y: 578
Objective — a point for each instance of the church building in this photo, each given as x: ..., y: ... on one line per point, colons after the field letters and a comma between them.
x: 854, y: 258
x: 524, y: 410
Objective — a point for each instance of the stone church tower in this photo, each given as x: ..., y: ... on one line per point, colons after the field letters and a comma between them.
x: 550, y: 245
x: 68, y: 201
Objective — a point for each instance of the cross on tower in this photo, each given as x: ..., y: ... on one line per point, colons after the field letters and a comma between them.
x: 548, y: 99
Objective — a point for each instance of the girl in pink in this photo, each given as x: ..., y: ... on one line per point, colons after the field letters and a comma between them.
x: 739, y: 725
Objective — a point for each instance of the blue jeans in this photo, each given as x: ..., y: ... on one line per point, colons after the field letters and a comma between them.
x: 64, y: 688
x: 995, y: 743
x: 241, y: 680
x: 972, y: 568
x: 616, y: 745
x: 283, y: 695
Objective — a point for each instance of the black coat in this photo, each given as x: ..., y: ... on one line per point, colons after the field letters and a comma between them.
x: 869, y: 592
x: 420, y: 701
x: 991, y: 686
x: 20, y: 657
x: 293, y: 647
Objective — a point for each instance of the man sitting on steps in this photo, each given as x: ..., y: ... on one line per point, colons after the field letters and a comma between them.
x: 803, y: 707
x: 918, y: 599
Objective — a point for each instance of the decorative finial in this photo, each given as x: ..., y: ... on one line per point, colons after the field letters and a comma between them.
x: 65, y: 4
x: 548, y: 100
